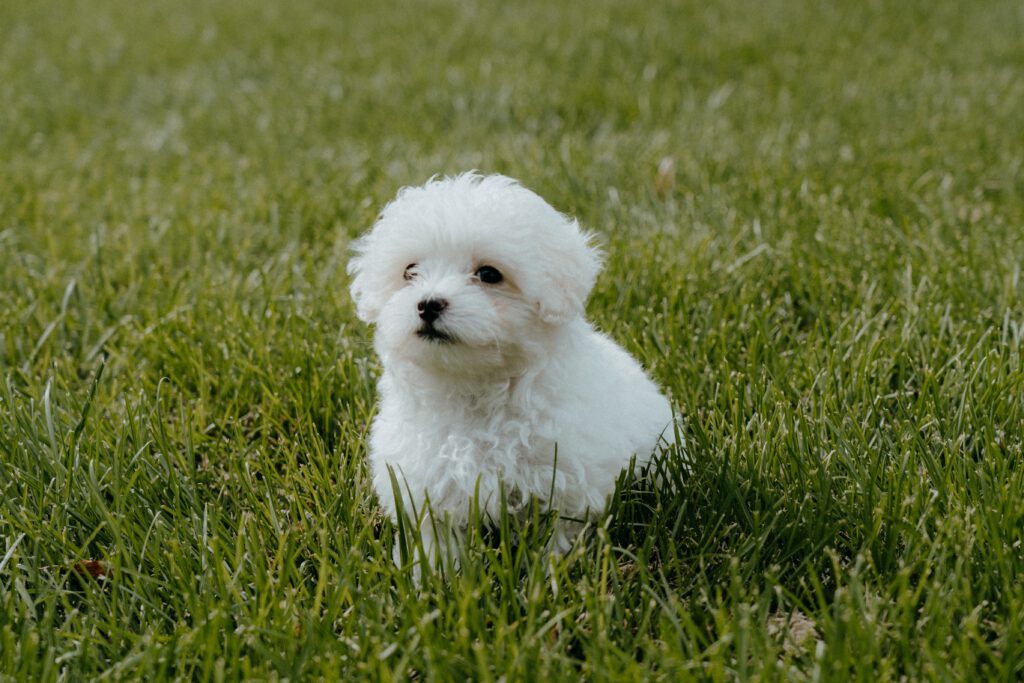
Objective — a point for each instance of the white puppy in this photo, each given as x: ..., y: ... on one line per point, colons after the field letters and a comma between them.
x: 492, y: 376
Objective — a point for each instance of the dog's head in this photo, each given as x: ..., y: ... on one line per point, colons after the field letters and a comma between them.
x: 467, y: 270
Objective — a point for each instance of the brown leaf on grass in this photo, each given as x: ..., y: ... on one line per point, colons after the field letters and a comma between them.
x: 796, y: 631
x: 92, y: 568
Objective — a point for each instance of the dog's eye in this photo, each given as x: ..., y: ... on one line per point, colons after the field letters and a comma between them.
x: 409, y: 273
x: 489, y: 275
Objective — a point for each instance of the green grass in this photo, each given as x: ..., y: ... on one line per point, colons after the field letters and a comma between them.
x: 831, y: 291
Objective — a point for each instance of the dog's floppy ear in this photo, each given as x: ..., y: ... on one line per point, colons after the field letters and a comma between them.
x: 570, y: 264
x: 365, y: 292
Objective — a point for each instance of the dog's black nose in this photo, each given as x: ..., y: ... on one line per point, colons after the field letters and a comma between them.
x: 430, y: 309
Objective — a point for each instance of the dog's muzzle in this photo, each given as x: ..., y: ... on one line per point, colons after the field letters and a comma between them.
x: 430, y: 310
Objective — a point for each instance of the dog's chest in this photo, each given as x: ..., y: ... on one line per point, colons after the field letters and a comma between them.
x: 474, y: 436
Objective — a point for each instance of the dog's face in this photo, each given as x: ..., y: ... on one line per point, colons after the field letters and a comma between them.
x: 463, y: 274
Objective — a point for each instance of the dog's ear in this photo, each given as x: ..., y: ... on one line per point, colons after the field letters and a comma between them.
x: 365, y: 292
x: 570, y: 263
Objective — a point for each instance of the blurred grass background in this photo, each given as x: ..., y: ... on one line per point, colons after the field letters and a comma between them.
x: 828, y: 283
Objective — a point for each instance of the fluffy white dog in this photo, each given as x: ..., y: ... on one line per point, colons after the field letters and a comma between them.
x: 492, y: 376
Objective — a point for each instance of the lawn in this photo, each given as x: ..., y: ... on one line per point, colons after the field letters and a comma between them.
x: 825, y: 275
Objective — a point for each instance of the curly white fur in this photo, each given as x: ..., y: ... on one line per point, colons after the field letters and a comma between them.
x: 509, y: 373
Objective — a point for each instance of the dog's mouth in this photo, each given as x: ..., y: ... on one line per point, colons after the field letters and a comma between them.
x: 431, y: 333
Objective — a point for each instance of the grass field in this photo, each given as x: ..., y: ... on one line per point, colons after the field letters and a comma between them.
x: 830, y: 289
